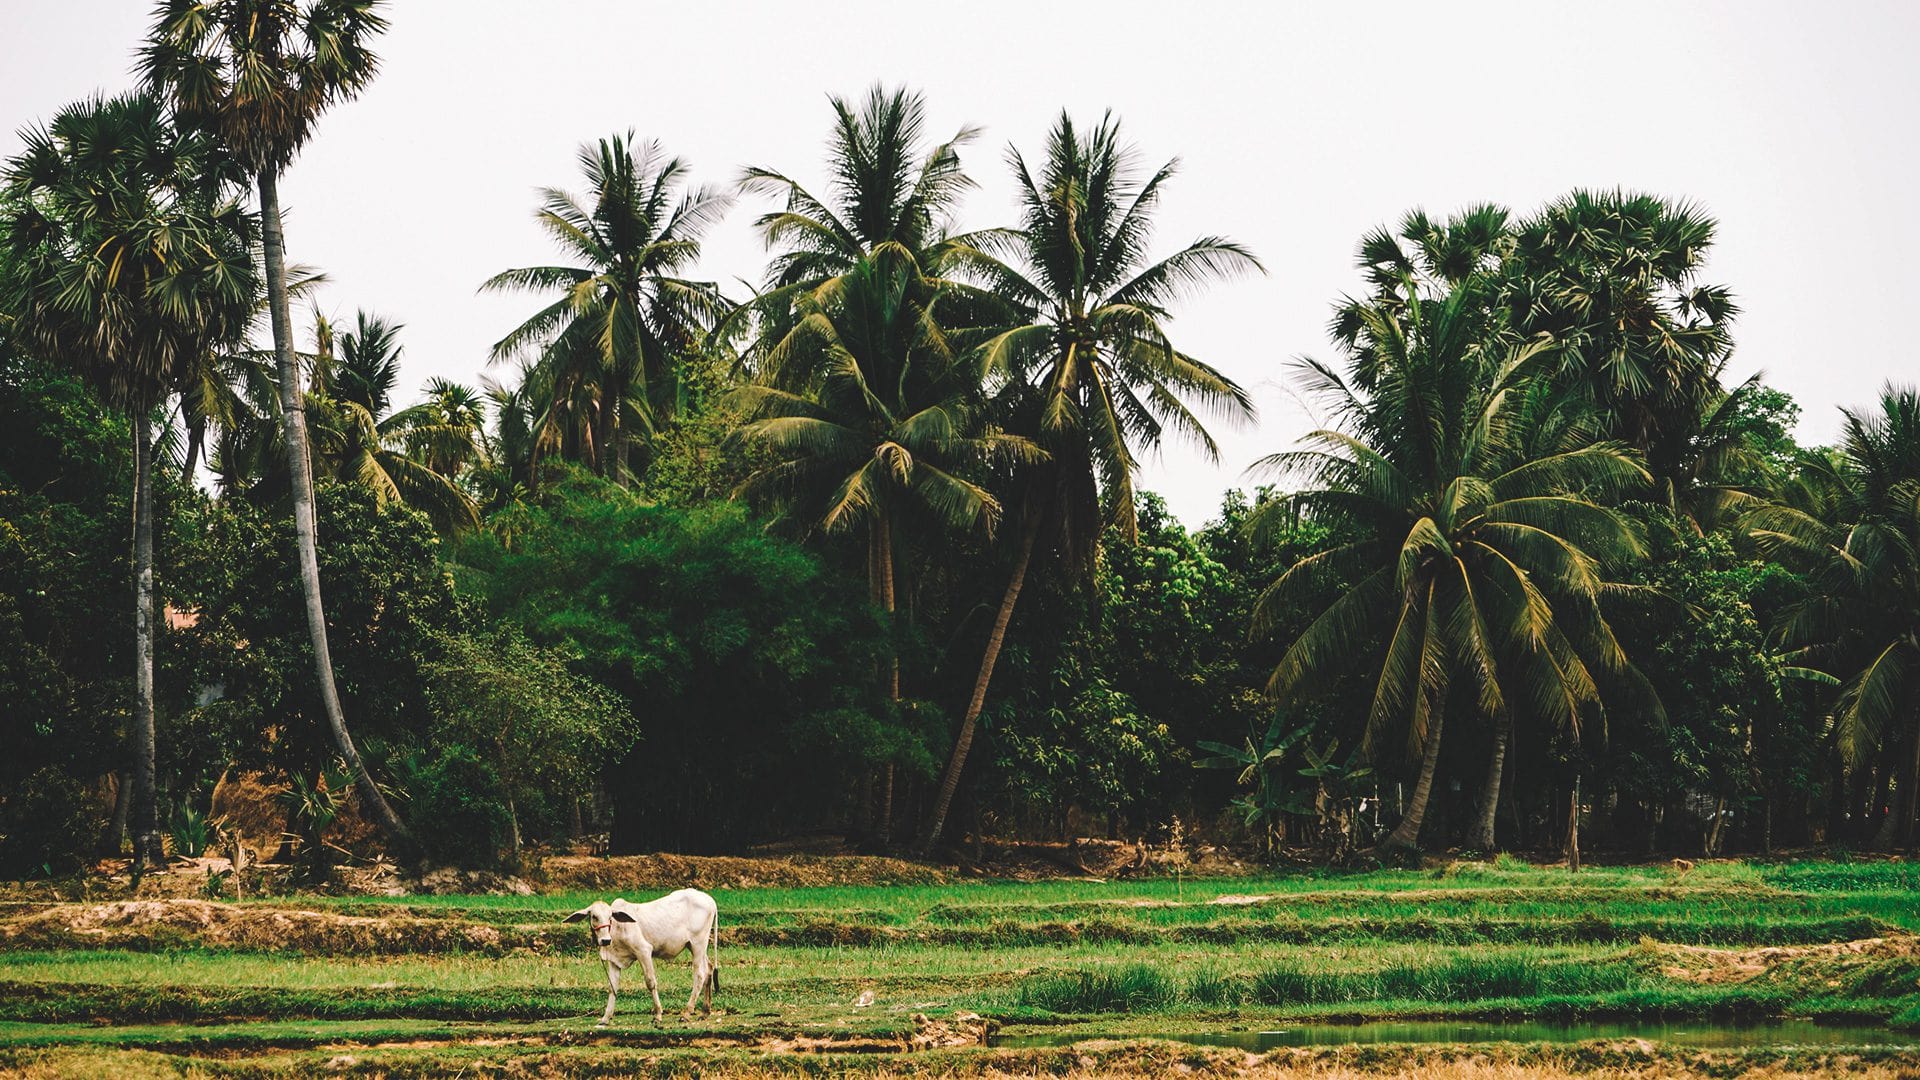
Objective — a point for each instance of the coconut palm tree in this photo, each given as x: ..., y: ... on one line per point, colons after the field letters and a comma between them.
x: 358, y: 440
x: 870, y: 414
x: 884, y: 188
x: 1859, y: 627
x: 131, y: 260
x: 1088, y: 370
x: 610, y: 340
x: 257, y: 74
x: 1482, y: 557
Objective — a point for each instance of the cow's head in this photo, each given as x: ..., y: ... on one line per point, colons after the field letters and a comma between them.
x: 600, y: 917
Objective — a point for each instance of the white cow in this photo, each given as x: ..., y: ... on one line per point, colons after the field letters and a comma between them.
x: 663, y: 928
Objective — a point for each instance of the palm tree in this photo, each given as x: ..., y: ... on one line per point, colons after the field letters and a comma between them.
x: 131, y: 261
x: 884, y: 190
x: 358, y: 440
x: 1860, y: 625
x: 1481, y: 559
x: 257, y: 74
x: 623, y: 316
x: 869, y: 413
x: 1613, y: 277
x: 1088, y: 368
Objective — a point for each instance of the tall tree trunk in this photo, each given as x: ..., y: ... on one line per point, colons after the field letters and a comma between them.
x: 615, y: 443
x: 1573, y: 826
x: 1481, y: 838
x: 300, y: 466
x: 115, y: 829
x: 147, y: 845
x: 883, y: 559
x: 957, y: 761
x: 196, y: 441
x: 880, y: 534
x: 1406, y: 835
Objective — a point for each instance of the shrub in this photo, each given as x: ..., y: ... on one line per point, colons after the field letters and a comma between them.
x: 458, y: 809
x: 45, y: 825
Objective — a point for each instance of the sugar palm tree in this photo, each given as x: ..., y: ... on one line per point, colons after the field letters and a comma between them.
x: 131, y: 261
x: 1613, y: 276
x: 623, y: 315
x: 1088, y: 370
x: 1860, y: 625
x: 257, y: 74
x: 1482, y: 557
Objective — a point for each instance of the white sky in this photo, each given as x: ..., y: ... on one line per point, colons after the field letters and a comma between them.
x: 1301, y: 126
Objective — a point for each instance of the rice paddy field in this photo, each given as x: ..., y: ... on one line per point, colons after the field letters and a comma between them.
x: 1473, y: 969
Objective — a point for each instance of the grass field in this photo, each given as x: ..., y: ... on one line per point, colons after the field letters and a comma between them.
x: 890, y: 979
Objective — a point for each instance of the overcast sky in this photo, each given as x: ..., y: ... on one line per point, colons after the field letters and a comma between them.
x: 1300, y: 126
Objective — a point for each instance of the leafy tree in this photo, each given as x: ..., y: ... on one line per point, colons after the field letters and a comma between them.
x: 130, y: 262
x: 1479, y: 561
x: 745, y: 668
x: 524, y: 711
x: 66, y: 469
x: 1090, y: 372
x: 257, y: 74
x: 393, y: 604
x: 606, y: 349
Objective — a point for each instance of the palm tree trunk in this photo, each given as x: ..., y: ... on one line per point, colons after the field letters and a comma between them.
x: 950, y: 781
x: 147, y: 847
x: 1573, y: 827
x: 883, y: 566
x: 1406, y: 835
x: 196, y: 441
x: 293, y: 408
x: 1481, y: 838
x: 613, y: 446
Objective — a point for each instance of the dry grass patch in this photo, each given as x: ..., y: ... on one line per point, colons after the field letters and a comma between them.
x: 154, y: 924
x: 1711, y: 966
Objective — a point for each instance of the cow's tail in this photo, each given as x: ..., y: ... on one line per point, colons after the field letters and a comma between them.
x: 713, y: 951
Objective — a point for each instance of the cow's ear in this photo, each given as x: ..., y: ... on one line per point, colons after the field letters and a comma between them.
x: 621, y: 916
x: 577, y: 916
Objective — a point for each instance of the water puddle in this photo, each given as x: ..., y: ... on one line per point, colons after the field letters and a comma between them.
x: 1702, y: 1035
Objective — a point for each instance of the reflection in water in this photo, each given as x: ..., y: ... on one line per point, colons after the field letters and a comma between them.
x: 1701, y: 1034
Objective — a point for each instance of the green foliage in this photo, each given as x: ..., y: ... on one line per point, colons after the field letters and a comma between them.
x: 65, y: 641
x: 520, y: 708
x: 458, y: 804
x: 727, y: 645
x: 389, y: 603
x: 190, y: 832
x: 47, y: 823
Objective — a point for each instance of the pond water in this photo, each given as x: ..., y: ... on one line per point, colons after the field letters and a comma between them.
x: 1701, y: 1034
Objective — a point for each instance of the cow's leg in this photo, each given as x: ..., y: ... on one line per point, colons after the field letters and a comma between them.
x: 700, y: 975
x: 613, y: 991
x: 653, y: 983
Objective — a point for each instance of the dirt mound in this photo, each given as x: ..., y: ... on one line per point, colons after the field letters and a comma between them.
x: 585, y: 873
x: 1703, y: 964
x: 160, y: 924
